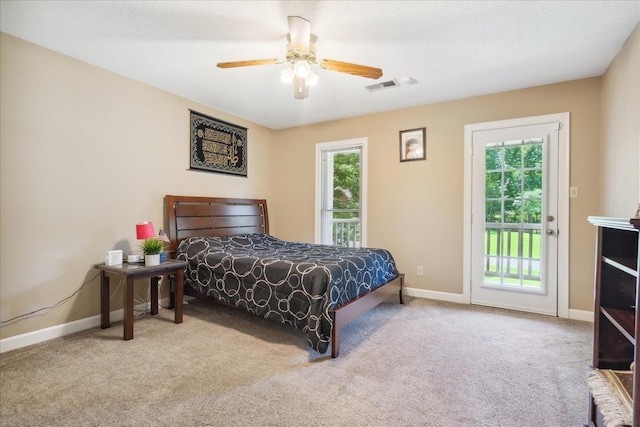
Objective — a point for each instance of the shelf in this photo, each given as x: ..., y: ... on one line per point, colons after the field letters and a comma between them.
x: 615, y: 364
x: 628, y: 265
x: 617, y: 284
x: 623, y: 320
x: 630, y: 224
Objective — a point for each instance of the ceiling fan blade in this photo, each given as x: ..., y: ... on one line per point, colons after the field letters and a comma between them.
x: 355, y: 69
x: 300, y: 33
x: 248, y: 63
x: 347, y: 67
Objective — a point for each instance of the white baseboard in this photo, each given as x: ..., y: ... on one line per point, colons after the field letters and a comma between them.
x: 586, y: 316
x: 436, y: 295
x: 583, y: 315
x: 46, y: 334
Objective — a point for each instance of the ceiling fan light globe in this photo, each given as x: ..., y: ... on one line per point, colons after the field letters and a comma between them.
x: 287, y: 75
x: 302, y: 68
x: 312, y: 79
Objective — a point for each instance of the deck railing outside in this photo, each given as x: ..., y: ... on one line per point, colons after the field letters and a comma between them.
x: 346, y: 231
x: 513, y: 251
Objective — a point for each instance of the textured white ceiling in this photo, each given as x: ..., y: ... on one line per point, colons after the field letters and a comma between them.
x: 454, y: 49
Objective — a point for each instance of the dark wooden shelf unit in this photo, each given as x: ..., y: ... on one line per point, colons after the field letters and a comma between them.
x: 623, y: 320
x: 616, y: 323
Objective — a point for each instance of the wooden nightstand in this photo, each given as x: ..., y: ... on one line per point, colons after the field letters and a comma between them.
x: 130, y: 272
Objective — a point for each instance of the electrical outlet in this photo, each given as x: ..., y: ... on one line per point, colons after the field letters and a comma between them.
x: 573, y: 192
x: 420, y: 271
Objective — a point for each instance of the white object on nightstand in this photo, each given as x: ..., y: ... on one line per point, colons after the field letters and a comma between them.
x: 113, y: 257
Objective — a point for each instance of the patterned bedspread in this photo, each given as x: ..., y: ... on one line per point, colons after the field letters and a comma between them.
x: 294, y: 283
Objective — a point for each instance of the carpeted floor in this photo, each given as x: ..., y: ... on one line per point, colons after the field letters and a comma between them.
x: 424, y: 363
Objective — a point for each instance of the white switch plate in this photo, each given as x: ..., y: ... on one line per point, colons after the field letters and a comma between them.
x: 573, y: 192
x: 420, y: 271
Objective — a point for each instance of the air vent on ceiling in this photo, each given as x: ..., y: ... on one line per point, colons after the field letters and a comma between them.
x: 383, y: 85
x: 391, y: 83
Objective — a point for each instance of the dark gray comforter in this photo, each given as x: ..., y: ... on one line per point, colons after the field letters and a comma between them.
x: 294, y: 283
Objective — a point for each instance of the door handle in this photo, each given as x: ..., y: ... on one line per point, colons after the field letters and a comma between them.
x: 551, y: 232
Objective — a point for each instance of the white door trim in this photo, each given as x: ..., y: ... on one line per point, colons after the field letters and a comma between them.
x: 563, y: 199
x: 334, y: 145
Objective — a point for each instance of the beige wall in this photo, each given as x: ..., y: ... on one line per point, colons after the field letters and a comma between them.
x: 78, y: 145
x: 415, y: 208
x: 85, y: 155
x: 620, y: 151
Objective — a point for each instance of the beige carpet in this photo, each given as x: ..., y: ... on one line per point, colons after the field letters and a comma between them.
x: 422, y: 364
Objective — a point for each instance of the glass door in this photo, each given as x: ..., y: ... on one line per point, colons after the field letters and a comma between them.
x: 340, y: 193
x: 514, y: 210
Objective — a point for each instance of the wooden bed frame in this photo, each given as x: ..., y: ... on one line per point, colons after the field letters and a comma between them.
x: 189, y: 216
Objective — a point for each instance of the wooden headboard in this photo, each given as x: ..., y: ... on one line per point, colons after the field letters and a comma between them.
x: 189, y: 216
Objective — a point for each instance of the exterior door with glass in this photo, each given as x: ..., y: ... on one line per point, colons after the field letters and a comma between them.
x: 341, y: 193
x: 514, y: 207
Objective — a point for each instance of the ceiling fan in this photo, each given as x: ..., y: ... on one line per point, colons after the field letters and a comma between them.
x: 301, y: 53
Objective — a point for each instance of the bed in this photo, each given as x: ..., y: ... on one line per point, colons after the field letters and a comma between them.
x: 233, y: 260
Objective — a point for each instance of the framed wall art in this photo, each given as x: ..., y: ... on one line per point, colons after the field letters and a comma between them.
x: 413, y: 144
x: 217, y: 146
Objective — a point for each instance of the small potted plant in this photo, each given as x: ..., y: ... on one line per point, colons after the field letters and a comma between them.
x: 151, y: 249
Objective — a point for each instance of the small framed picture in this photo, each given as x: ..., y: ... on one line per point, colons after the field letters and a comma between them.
x: 413, y: 144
